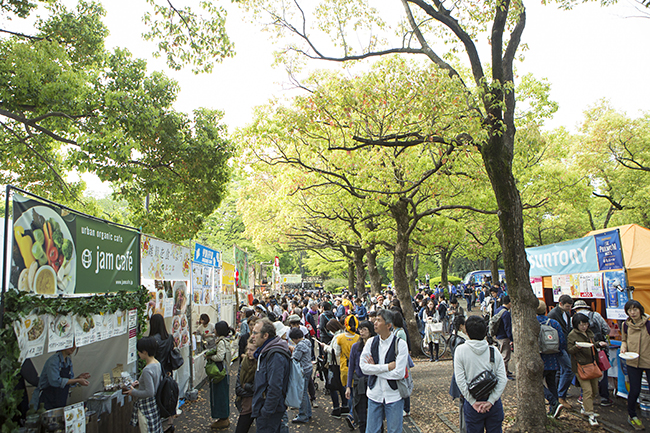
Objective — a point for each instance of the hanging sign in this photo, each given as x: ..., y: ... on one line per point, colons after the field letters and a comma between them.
x: 570, y: 257
x: 610, y: 253
x: 132, y: 352
x: 207, y: 256
x: 60, y: 252
x: 164, y: 260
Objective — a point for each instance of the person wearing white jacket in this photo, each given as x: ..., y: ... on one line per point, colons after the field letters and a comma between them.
x: 470, y: 360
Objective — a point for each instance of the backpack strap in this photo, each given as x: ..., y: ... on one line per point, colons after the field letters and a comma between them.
x: 491, y: 354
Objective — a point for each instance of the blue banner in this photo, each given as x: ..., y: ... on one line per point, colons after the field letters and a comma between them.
x: 610, y: 253
x: 207, y: 256
x: 570, y: 257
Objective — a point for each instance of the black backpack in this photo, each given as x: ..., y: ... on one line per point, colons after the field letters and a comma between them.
x: 167, y: 396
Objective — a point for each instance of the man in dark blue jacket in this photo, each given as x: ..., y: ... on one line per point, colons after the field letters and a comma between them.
x: 271, y: 378
x: 504, y: 333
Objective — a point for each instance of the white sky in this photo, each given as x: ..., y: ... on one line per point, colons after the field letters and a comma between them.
x: 587, y: 54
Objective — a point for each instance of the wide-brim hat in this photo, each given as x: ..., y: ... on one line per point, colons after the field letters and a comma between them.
x: 280, y: 329
x: 580, y: 304
x: 293, y: 318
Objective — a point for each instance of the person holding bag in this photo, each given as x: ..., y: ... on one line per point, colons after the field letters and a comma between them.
x: 219, y: 398
x: 244, y: 389
x: 636, y: 339
x: 581, y: 346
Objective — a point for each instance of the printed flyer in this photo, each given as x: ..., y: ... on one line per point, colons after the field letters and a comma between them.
x: 615, y: 294
x: 30, y: 333
x: 61, y: 335
x: 84, y: 330
x: 75, y: 418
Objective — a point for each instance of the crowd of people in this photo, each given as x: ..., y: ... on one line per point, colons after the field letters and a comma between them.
x: 361, y: 349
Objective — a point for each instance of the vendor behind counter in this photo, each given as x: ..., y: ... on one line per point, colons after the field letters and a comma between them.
x: 56, y: 379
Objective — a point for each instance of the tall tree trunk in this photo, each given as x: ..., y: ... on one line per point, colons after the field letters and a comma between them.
x: 411, y: 273
x: 351, y: 275
x: 494, y: 270
x: 497, y: 155
x: 373, y: 272
x: 445, y: 257
x: 360, y: 267
x: 399, y: 212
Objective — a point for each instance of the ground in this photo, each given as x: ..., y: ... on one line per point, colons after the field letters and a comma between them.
x: 432, y: 409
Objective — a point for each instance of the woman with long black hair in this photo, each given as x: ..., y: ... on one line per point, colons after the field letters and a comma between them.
x: 158, y: 331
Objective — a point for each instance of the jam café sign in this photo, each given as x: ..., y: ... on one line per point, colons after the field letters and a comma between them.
x: 56, y: 252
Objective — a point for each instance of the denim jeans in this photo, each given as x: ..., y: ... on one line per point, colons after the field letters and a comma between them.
x: 305, y: 406
x: 566, y: 375
x: 489, y: 422
x: 635, y: 375
x: 391, y: 411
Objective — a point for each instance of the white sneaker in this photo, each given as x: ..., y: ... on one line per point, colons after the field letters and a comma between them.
x: 582, y: 411
x: 592, y: 420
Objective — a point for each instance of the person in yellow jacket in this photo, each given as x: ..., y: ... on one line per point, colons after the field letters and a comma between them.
x: 344, y: 343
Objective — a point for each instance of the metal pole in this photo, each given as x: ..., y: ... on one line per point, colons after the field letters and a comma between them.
x: 4, y: 257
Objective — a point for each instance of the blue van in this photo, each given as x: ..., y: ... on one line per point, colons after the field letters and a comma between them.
x: 478, y: 277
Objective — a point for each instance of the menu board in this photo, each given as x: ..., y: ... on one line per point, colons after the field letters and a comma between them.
x: 75, y: 418
x: 85, y: 330
x: 591, y: 285
x: 30, y: 333
x: 164, y: 260
x: 61, y: 334
x: 132, y: 353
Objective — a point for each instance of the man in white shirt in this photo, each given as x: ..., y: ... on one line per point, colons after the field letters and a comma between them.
x: 384, y: 359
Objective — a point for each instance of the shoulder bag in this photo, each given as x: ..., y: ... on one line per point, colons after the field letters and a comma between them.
x: 482, y: 385
x: 591, y: 370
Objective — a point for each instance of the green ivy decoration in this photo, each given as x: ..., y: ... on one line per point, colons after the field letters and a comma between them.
x: 19, y: 304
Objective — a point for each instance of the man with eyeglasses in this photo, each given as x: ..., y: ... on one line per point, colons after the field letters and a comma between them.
x: 271, y: 379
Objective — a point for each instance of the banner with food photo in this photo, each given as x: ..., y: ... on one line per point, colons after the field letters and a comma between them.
x: 30, y: 332
x: 56, y: 251
x: 163, y: 260
x: 61, y: 335
x: 85, y: 330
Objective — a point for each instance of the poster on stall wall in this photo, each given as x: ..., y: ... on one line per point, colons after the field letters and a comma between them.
x: 164, y: 260
x: 30, y: 333
x: 591, y: 285
x: 609, y: 250
x: 61, y: 334
x: 574, y: 285
x: 105, y: 325
x: 84, y: 330
x: 197, y: 283
x: 180, y: 331
x: 75, y: 418
x: 615, y: 285
x: 132, y: 351
x: 207, y: 296
x: 164, y: 298
x: 121, y: 319
x: 228, y: 278
x: 84, y: 255
x: 180, y: 326
x: 538, y: 287
x: 217, y: 282
x: 560, y: 286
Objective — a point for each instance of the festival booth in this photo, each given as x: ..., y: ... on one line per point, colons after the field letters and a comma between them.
x: 72, y: 279
x: 166, y: 276
x: 605, y: 268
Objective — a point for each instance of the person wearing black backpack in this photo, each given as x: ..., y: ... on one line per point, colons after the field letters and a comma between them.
x: 551, y: 362
x: 145, y: 409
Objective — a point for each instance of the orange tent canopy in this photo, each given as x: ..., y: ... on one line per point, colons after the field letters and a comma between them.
x: 636, y: 255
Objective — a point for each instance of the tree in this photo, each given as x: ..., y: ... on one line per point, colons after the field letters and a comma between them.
x: 489, y: 95
x: 325, y: 141
x: 68, y: 104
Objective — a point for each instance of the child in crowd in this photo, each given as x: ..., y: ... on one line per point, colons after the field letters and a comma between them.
x: 145, y: 410
x: 302, y: 354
